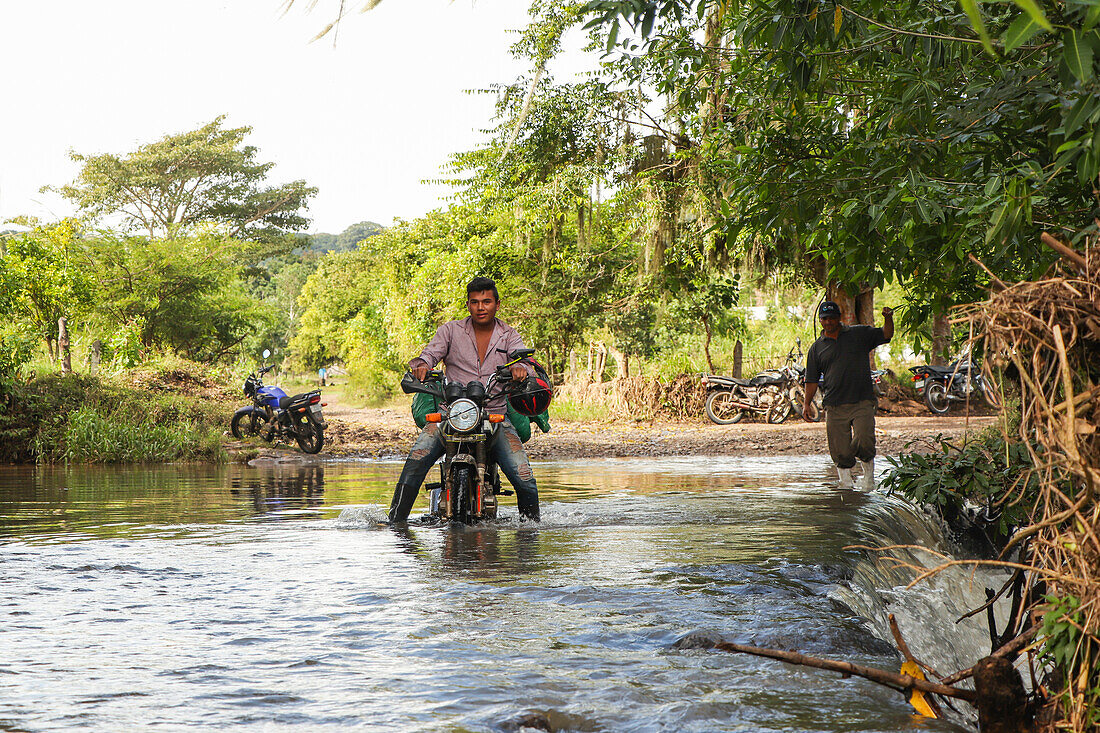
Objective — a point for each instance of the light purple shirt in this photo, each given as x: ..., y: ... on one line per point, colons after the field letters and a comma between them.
x: 456, y: 345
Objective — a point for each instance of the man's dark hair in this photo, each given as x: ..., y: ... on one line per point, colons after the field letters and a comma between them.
x: 479, y: 285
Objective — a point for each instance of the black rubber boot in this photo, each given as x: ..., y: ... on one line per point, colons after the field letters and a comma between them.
x: 529, y: 513
x: 404, y: 496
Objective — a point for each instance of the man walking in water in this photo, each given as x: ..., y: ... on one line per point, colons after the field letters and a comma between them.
x: 471, y: 349
x: 841, y: 356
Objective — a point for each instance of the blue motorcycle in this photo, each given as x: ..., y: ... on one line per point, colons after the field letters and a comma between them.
x: 274, y: 414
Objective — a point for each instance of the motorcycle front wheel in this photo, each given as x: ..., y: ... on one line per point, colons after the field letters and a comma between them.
x: 460, y: 508
x: 309, y: 435
x: 248, y: 424
x: 721, y: 409
x: 781, y: 408
x: 935, y: 396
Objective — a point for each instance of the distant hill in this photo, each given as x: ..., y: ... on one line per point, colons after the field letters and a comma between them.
x: 342, y: 242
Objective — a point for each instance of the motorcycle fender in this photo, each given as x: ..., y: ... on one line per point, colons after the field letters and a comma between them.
x: 464, y: 458
x: 248, y: 411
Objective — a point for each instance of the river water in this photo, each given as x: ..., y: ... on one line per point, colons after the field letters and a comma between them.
x: 269, y: 598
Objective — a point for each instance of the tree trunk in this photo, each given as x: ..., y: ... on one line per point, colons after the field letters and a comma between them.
x: 847, y: 303
x: 941, y: 339
x: 706, y: 345
x: 582, y: 238
x: 865, y: 314
x: 622, y: 364
x: 865, y: 307
x: 549, y: 244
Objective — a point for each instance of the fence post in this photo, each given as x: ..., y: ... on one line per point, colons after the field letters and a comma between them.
x: 737, y: 359
x: 63, y: 345
x: 95, y: 356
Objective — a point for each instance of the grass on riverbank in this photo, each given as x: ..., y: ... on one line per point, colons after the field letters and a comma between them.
x: 167, y: 412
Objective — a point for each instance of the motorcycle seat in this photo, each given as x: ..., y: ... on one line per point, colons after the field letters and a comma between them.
x: 285, y: 402
x: 763, y: 379
x: 949, y: 369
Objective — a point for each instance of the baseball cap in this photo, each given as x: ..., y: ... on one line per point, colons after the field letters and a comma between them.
x: 828, y: 309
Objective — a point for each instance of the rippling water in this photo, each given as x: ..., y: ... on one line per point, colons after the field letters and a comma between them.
x: 269, y: 598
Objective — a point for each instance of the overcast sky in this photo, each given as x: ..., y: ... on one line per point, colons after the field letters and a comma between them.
x: 365, y: 121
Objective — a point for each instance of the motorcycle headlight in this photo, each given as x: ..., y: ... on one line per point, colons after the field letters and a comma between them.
x: 463, y: 416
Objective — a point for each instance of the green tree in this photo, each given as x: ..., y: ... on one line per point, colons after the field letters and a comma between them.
x: 41, y: 280
x: 185, y: 294
x: 876, y: 144
x: 205, y: 176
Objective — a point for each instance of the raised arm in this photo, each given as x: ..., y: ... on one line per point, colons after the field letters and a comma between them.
x: 888, y: 323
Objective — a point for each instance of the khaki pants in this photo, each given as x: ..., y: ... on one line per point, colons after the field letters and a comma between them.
x: 851, y: 432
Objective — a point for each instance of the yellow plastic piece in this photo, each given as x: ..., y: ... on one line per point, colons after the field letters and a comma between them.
x: 917, y: 698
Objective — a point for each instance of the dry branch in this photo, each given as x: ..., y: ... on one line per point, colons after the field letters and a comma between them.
x: 899, y: 682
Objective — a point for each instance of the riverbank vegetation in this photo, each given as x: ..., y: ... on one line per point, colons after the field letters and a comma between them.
x: 717, y: 149
x: 167, y: 410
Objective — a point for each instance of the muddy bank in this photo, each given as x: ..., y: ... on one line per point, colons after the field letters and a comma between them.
x: 389, y: 433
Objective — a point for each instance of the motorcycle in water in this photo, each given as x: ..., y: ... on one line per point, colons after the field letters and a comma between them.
x: 730, y: 399
x: 469, y: 479
x: 940, y: 386
x: 273, y: 414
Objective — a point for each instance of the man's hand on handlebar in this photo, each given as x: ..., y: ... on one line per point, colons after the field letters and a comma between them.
x: 420, y: 372
x: 519, y: 373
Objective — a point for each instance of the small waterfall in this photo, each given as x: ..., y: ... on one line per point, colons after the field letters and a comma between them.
x: 930, y: 613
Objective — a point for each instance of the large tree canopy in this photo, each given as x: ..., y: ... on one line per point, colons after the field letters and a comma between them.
x: 208, y: 175
x: 878, y: 142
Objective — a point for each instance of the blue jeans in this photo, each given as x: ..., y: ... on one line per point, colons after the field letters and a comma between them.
x: 505, y: 448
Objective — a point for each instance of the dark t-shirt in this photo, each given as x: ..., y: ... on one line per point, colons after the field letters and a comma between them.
x: 844, y: 365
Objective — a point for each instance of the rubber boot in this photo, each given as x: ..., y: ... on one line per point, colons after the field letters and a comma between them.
x: 845, y: 475
x: 529, y: 513
x: 867, y: 483
x: 404, y: 496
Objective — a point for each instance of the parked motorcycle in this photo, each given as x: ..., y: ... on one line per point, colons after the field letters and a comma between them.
x: 940, y: 386
x: 795, y: 371
x: 730, y: 399
x: 469, y: 480
x: 274, y: 414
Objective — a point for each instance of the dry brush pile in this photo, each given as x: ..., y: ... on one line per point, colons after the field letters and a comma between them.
x: 1045, y: 336
x: 642, y: 398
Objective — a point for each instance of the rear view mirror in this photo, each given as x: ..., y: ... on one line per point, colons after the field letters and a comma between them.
x: 267, y: 353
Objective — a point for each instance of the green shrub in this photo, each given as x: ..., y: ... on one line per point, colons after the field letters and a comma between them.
x: 986, y: 471
x: 95, y: 437
x: 1074, y: 654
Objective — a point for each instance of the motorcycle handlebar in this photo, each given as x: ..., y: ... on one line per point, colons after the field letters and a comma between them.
x: 431, y: 385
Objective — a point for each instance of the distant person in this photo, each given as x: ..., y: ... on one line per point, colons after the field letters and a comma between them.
x: 471, y: 348
x: 841, y: 356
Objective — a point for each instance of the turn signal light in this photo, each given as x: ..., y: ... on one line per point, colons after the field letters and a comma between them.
x: 434, y: 417
x: 324, y: 404
x: 496, y: 418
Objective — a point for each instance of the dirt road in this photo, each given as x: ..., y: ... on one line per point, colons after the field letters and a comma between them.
x: 388, y: 433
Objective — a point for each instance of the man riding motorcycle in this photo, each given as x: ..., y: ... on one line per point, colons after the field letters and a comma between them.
x: 471, y: 349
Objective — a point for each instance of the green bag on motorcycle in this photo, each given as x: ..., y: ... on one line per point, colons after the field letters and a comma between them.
x: 423, y: 404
